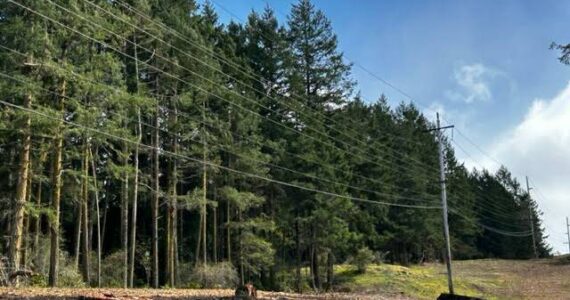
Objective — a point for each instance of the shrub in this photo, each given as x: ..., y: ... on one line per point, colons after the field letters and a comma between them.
x: 363, y: 258
x: 112, y: 270
x: 69, y: 276
x: 220, y: 275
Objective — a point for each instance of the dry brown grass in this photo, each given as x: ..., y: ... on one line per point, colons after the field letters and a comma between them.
x: 528, y: 279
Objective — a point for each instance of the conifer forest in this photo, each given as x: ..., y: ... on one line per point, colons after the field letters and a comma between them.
x: 145, y: 143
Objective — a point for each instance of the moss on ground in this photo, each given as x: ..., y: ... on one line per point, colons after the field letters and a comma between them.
x: 421, y: 282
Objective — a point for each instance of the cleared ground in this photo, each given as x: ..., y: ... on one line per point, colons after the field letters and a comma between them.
x: 490, y: 279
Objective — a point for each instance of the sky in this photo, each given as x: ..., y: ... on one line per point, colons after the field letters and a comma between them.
x: 485, y: 65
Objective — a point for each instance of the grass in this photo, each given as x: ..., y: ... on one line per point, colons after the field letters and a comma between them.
x: 488, y: 279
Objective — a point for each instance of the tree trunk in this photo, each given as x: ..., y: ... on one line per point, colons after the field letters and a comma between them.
x: 135, y: 203
x: 85, y: 214
x: 26, y: 234
x: 228, y: 234
x: 171, y: 211
x: 99, y: 245
x: 240, y: 251
x: 56, y: 193
x: 77, y: 240
x: 105, y: 211
x: 21, y: 188
x: 136, y: 179
x: 204, y: 187
x: 215, y: 231
x: 155, y: 200
x: 298, y: 255
x: 315, y: 263
x: 125, y: 216
x: 330, y: 270
x: 37, y: 220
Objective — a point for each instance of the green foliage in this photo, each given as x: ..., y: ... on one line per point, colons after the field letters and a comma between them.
x: 111, y: 273
x: 241, y: 200
x: 271, y: 109
x: 564, y: 52
x: 362, y: 259
x: 219, y: 275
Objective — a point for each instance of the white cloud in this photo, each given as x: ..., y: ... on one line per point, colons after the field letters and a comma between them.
x: 473, y: 83
x: 539, y: 147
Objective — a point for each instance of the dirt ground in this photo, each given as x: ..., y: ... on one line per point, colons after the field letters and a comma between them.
x: 492, y: 279
x: 107, y: 294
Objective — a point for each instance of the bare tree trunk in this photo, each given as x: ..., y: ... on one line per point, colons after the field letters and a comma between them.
x: 98, y: 218
x: 56, y: 193
x: 11, y: 185
x: 179, y: 242
x: 330, y: 270
x: 228, y: 234
x: 135, y: 203
x: 85, y: 214
x: 298, y: 255
x: 77, y: 232
x: 26, y: 234
x: 315, y: 267
x: 215, y: 231
x: 175, y: 246
x: 240, y: 251
x: 136, y: 179
x: 125, y: 216
x: 105, y: 211
x: 171, y: 213
x: 199, y: 242
x: 37, y: 220
x: 204, y: 188
x: 21, y: 188
x: 155, y: 200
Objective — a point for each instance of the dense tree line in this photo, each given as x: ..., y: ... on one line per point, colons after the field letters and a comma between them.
x: 148, y: 132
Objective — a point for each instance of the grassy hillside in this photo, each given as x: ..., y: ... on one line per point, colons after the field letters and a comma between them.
x: 490, y: 279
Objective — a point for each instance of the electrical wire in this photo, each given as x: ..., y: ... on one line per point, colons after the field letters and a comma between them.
x: 211, y: 164
x: 195, y: 86
x: 192, y: 118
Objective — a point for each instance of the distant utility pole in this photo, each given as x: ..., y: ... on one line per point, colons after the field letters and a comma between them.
x: 444, y: 203
x: 568, y: 233
x: 530, y: 219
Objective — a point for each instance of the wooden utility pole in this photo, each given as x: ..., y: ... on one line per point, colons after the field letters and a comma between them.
x: 444, y: 204
x: 531, y: 219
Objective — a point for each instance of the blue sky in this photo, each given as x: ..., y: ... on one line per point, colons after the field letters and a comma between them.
x: 485, y: 65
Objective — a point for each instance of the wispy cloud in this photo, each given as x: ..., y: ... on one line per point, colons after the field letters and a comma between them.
x: 473, y: 83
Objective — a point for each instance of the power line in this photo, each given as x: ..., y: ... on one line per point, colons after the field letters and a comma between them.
x: 202, y: 89
x: 492, y: 229
x: 84, y: 35
x: 366, y: 144
x: 211, y: 164
x: 210, y: 125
